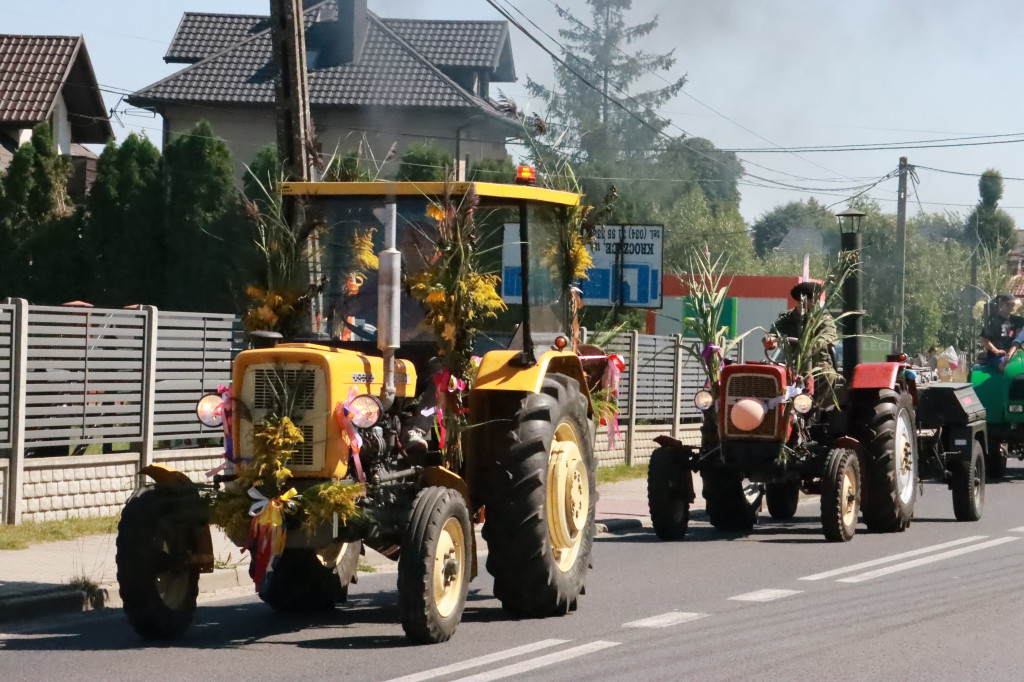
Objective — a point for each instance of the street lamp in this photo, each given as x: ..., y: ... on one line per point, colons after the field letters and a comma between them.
x: 850, y: 240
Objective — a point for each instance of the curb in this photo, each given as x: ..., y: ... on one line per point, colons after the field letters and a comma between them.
x: 611, y: 526
x: 64, y: 600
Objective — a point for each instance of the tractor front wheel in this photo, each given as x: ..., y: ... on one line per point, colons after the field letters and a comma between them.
x: 541, y: 495
x: 840, y: 495
x: 158, y: 582
x: 434, y: 567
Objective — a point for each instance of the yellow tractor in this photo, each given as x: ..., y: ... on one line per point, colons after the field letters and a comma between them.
x: 366, y: 393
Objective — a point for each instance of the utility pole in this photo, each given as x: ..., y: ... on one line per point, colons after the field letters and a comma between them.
x: 901, y: 244
x: 294, y: 124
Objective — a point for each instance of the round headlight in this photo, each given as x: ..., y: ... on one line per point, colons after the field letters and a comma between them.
x: 803, y: 403
x: 703, y: 400
x: 365, y: 411
x: 210, y: 410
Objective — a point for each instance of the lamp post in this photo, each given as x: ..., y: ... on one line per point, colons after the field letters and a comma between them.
x: 850, y: 240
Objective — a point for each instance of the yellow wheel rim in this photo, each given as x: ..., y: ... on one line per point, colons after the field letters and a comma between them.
x: 848, y: 498
x: 449, y: 567
x: 568, y: 496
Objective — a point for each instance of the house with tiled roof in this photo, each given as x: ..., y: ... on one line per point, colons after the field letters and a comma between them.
x: 50, y: 78
x: 396, y: 81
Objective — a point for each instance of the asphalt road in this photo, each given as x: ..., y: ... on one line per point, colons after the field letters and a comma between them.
x: 941, y: 601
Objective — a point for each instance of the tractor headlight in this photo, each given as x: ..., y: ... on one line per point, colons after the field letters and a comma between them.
x: 210, y: 410
x: 365, y: 411
x: 803, y: 403
x: 703, y: 400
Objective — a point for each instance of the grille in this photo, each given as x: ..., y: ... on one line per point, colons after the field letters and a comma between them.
x: 752, y: 386
x: 280, y: 389
x: 303, y: 456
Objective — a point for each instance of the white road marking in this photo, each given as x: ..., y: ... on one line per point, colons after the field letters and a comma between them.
x: 894, y: 557
x: 480, y: 660
x: 924, y: 560
x: 543, y: 661
x: 764, y: 595
x: 665, y: 620
x: 1018, y: 529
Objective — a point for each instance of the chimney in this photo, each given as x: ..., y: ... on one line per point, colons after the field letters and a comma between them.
x: 349, y: 31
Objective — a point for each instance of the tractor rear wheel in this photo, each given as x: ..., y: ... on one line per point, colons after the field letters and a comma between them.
x: 727, y: 506
x: 434, y: 567
x: 840, y: 495
x: 890, y: 460
x: 669, y: 492
x: 157, y: 579
x: 968, y: 486
x: 540, y: 498
x: 782, y: 499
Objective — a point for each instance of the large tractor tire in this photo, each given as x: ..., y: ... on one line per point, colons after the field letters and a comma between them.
x: 840, y: 495
x: 887, y: 434
x: 783, y: 499
x: 540, y: 499
x: 434, y: 568
x: 968, y: 486
x: 727, y: 506
x: 155, y: 541
x: 669, y: 493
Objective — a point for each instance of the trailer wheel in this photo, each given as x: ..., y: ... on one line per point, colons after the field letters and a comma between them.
x: 890, y: 460
x: 669, y: 492
x: 840, y: 495
x: 969, y: 486
x: 995, y: 461
x: 727, y: 506
x: 540, y: 497
x: 782, y: 499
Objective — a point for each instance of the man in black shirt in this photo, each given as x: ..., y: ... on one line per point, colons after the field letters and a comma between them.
x: 1000, y: 329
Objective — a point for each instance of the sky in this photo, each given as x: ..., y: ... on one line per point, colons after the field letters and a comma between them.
x: 760, y: 75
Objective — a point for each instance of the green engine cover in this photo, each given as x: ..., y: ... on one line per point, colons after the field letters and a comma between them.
x: 1002, y: 393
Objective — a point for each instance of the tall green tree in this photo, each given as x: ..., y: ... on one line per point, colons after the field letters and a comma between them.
x: 202, y: 222
x: 124, y: 228
x: 772, y: 227
x: 988, y: 224
x: 582, y: 110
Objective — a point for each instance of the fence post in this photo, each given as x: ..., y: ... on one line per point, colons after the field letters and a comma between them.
x: 148, y: 403
x: 19, y: 369
x: 677, y: 384
x: 634, y: 371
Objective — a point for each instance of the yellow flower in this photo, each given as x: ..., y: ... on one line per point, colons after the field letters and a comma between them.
x: 435, y: 212
x: 435, y: 297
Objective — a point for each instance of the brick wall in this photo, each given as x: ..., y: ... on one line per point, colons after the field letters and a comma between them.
x: 194, y: 462
x: 644, y: 444
x: 68, y: 487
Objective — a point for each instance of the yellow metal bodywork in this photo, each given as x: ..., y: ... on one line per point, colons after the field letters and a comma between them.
x: 489, y: 192
x: 343, y: 370
x: 500, y: 371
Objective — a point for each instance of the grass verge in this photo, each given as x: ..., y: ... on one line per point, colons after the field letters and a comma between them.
x: 621, y: 472
x: 21, y: 536
x: 366, y: 567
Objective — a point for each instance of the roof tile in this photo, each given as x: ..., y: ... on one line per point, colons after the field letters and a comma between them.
x: 32, y: 71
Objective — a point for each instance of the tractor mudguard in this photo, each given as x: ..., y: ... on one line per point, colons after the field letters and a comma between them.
x: 875, y: 375
x: 168, y: 477
x: 501, y: 370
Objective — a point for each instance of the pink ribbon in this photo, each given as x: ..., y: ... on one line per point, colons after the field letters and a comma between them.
x: 712, y: 351
x: 226, y: 410
x: 345, y: 425
x: 444, y: 383
x: 610, y: 380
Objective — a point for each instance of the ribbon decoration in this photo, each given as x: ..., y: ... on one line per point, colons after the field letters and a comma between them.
x: 345, y: 425
x: 444, y: 383
x: 227, y: 419
x: 610, y: 380
x: 710, y: 352
x: 267, y: 534
x: 791, y: 392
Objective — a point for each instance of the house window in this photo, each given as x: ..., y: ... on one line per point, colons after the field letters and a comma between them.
x: 312, y: 56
